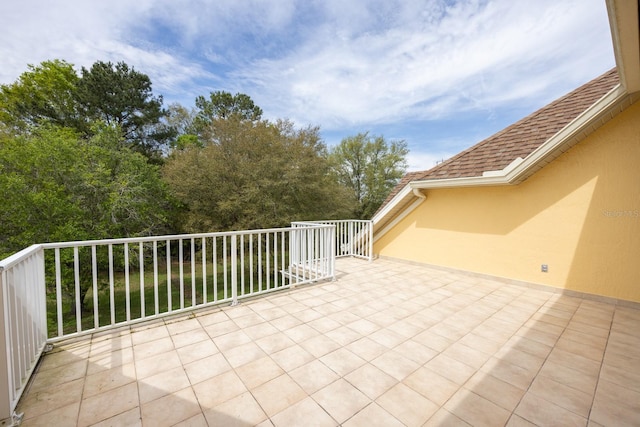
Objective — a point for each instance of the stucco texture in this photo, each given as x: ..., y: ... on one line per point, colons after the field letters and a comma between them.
x: 580, y: 215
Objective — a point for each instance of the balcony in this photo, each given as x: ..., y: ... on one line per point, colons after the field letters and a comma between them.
x: 335, y: 342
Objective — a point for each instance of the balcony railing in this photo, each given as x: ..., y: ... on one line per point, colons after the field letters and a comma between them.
x: 54, y: 291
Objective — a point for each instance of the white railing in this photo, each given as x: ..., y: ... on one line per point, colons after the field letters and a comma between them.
x: 23, y: 334
x: 353, y: 237
x: 106, y: 283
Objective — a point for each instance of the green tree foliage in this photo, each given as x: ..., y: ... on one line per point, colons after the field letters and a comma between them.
x: 121, y: 96
x: 370, y: 167
x: 254, y: 174
x: 59, y: 187
x: 42, y: 95
x: 222, y: 105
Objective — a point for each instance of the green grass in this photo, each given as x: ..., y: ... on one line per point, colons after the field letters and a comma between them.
x: 214, y: 292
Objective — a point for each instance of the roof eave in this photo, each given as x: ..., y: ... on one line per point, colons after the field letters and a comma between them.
x: 625, y: 33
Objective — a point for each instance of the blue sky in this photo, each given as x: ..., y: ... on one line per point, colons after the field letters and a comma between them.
x: 440, y: 74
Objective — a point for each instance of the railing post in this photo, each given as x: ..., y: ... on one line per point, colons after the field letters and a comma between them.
x: 370, y: 225
x: 5, y: 354
x: 234, y: 270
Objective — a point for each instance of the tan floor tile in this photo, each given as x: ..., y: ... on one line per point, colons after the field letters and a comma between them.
x: 518, y: 421
x: 313, y: 376
x: 569, y: 398
x: 160, y: 363
x: 219, y: 389
x: 107, y: 380
x: 249, y: 320
x: 222, y: 328
x: 415, y: 351
x: 152, y: 348
x: 121, y: 399
x: 387, y: 337
x: 501, y: 393
x: 161, y: 384
x: 342, y: 361
x: 371, y: 381
x: 434, y: 341
x: 341, y: 400
x: 260, y: 330
x: 65, y: 373
x: 274, y: 343
x: 320, y: 345
x: 306, y: 412
x: 278, y: 394
x: 373, y: 416
x: 520, y: 358
x: 179, y: 326
x: 109, y: 344
x: 528, y: 346
x: 197, y: 420
x: 57, y: 359
x: 510, y: 373
x: 170, y: 409
x: 243, y: 354
x: 67, y: 416
x: 259, y: 372
x: 629, y: 378
x: 107, y: 360
x: 444, y: 418
x: 542, y: 412
x: 240, y: 411
x: 286, y: 322
x: 324, y: 324
x: 292, y: 357
x: 476, y: 410
x: 231, y: 340
x: 432, y: 385
x: 190, y: 337
x: 149, y: 332
x: 301, y: 333
x: 569, y: 377
x: 615, y: 405
x: 207, y: 318
x: 208, y: 367
x: 363, y: 326
x: 343, y: 335
x: 38, y: 403
x: 467, y: 355
x: 479, y: 343
x: 450, y: 368
x: 574, y: 361
x: 367, y: 349
x: 197, y: 351
x: 131, y: 418
x: 586, y: 350
x: 407, y: 405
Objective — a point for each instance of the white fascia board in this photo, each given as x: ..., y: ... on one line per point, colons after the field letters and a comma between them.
x: 392, y: 204
x: 519, y: 168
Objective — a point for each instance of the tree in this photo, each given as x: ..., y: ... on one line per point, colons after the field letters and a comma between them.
x: 222, y: 105
x: 57, y: 186
x: 254, y: 175
x: 121, y: 96
x: 44, y: 94
x: 370, y: 167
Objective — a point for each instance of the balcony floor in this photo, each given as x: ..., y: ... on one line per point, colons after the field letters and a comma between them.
x: 387, y: 344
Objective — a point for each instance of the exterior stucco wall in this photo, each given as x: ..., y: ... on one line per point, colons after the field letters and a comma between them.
x: 580, y: 215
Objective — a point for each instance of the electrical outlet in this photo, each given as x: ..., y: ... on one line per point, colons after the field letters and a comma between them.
x: 544, y: 268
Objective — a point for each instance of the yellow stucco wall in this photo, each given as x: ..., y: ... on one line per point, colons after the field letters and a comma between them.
x: 580, y: 215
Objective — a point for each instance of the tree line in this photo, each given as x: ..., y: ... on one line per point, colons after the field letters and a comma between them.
x: 95, y: 154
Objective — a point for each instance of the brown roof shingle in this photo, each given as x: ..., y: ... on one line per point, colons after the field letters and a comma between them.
x: 518, y: 140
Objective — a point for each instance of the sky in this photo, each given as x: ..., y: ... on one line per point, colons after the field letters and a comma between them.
x: 439, y: 74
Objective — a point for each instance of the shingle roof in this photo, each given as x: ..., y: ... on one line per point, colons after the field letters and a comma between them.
x: 518, y: 140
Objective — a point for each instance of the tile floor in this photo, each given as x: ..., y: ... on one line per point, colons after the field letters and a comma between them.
x: 387, y: 344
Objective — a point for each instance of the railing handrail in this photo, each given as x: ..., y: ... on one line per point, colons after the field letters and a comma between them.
x: 18, y: 257
x: 117, y: 241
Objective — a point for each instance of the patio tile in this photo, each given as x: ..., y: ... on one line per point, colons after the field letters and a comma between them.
x: 306, y: 411
x: 278, y: 394
x: 170, y: 409
x: 286, y: 322
x: 542, y: 412
x: 121, y: 399
x: 396, y: 365
x: 60, y: 357
x: 407, y: 405
x: 197, y: 420
x: 503, y: 394
x: 509, y: 373
x: 107, y: 360
x: 431, y: 385
x: 569, y: 398
x: 231, y: 340
x: 467, y: 355
x: 216, y: 329
x: 212, y: 317
x: 197, y: 351
x: 205, y: 368
x: 373, y: 416
x: 313, y: 376
x: 63, y: 417
x: 451, y: 369
x: 149, y: 332
x: 476, y: 410
x: 190, y: 337
x: 615, y: 405
x: 218, y: 389
x: 182, y: 325
x: 292, y: 357
x: 156, y: 364
x: 131, y: 418
x: 104, y: 345
x: 242, y: 410
x: 259, y: 372
x: 65, y: 373
x: 343, y: 335
x: 444, y: 418
x: 301, y: 333
x: 342, y: 361
x: 107, y: 380
x: 371, y: 380
x: 243, y: 354
x: 320, y: 345
x: 152, y: 348
x: 161, y: 384
x: 569, y: 377
x: 52, y: 398
x: 341, y: 400
x: 574, y: 361
x: 260, y: 330
x: 274, y: 343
